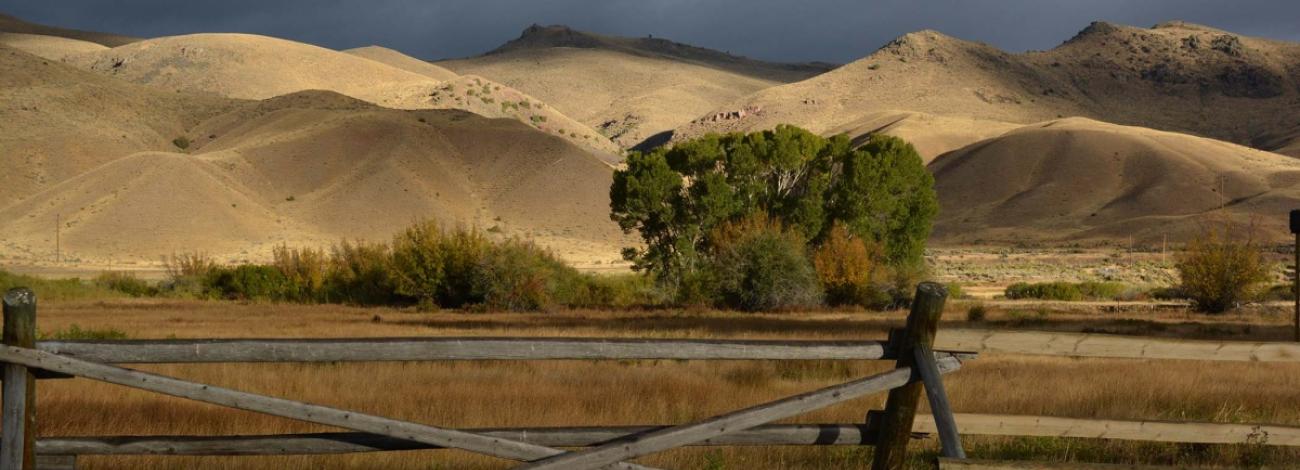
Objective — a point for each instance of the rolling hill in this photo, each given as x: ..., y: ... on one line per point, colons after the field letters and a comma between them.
x: 59, y: 121
x: 402, y: 61
x: 1175, y: 76
x: 10, y: 24
x: 234, y: 143
x: 248, y: 66
x: 314, y: 167
x: 256, y: 67
x: 1076, y: 178
x: 49, y: 47
x: 631, y: 89
x: 931, y: 134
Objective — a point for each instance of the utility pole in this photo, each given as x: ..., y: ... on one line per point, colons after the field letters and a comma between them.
x: 1131, y: 262
x: 1223, y: 196
x: 58, y: 239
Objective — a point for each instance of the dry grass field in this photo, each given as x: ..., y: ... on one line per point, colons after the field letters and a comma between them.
x: 498, y: 394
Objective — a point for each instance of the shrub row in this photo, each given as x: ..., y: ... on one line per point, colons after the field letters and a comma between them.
x: 424, y: 265
x: 754, y: 264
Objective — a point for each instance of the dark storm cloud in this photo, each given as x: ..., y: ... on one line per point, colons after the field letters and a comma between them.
x: 788, y: 30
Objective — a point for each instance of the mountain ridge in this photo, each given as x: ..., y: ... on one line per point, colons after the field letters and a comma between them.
x: 537, y: 36
x: 1165, y: 78
x: 12, y: 24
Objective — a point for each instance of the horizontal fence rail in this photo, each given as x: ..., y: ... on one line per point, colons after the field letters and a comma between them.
x: 353, y: 442
x: 771, y: 434
x: 454, y: 348
x: 950, y: 341
x: 1131, y: 430
x: 1114, y: 346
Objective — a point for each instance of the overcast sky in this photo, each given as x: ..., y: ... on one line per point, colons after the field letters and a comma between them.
x: 786, y: 30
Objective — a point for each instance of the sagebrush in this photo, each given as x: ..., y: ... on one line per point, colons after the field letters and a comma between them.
x: 1220, y: 269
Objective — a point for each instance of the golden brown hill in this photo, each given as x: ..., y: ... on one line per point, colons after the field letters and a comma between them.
x: 313, y: 167
x: 11, y: 24
x: 630, y: 89
x: 1174, y: 76
x: 145, y: 206
x: 49, y: 47
x: 931, y: 134
x: 58, y: 121
x: 545, y: 37
x: 491, y: 99
x: 402, y: 61
x: 249, y: 66
x: 1082, y: 179
x: 487, y: 98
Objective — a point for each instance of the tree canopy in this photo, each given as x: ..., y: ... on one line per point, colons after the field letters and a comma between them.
x: 674, y: 197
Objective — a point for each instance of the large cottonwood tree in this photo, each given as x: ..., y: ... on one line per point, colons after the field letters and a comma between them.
x: 675, y: 196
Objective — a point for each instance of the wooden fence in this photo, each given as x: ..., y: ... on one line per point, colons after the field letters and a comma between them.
x: 888, y: 430
x: 26, y: 360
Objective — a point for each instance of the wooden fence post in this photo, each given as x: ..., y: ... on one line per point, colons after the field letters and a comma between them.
x: 895, y: 424
x: 18, y: 417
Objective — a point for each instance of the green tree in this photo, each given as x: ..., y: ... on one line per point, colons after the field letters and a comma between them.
x: 886, y: 194
x: 675, y: 197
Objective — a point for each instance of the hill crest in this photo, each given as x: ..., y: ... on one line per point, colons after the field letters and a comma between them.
x: 1167, y: 77
x: 539, y: 37
x: 13, y: 24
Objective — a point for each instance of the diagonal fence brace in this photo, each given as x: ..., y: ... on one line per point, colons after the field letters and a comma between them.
x: 677, y: 436
x: 493, y: 446
x: 949, y: 439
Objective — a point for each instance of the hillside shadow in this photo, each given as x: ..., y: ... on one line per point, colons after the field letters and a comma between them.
x: 654, y: 141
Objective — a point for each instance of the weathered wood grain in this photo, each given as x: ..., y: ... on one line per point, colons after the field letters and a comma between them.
x: 1134, y: 430
x: 18, y: 412
x: 771, y: 434
x: 418, y: 349
x: 895, y: 423
x: 424, y: 349
x: 281, y: 407
x: 949, y: 439
x: 350, y: 442
x: 646, y: 443
x: 1099, y: 345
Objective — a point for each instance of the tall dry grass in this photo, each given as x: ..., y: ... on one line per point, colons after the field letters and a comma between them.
x: 471, y: 394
